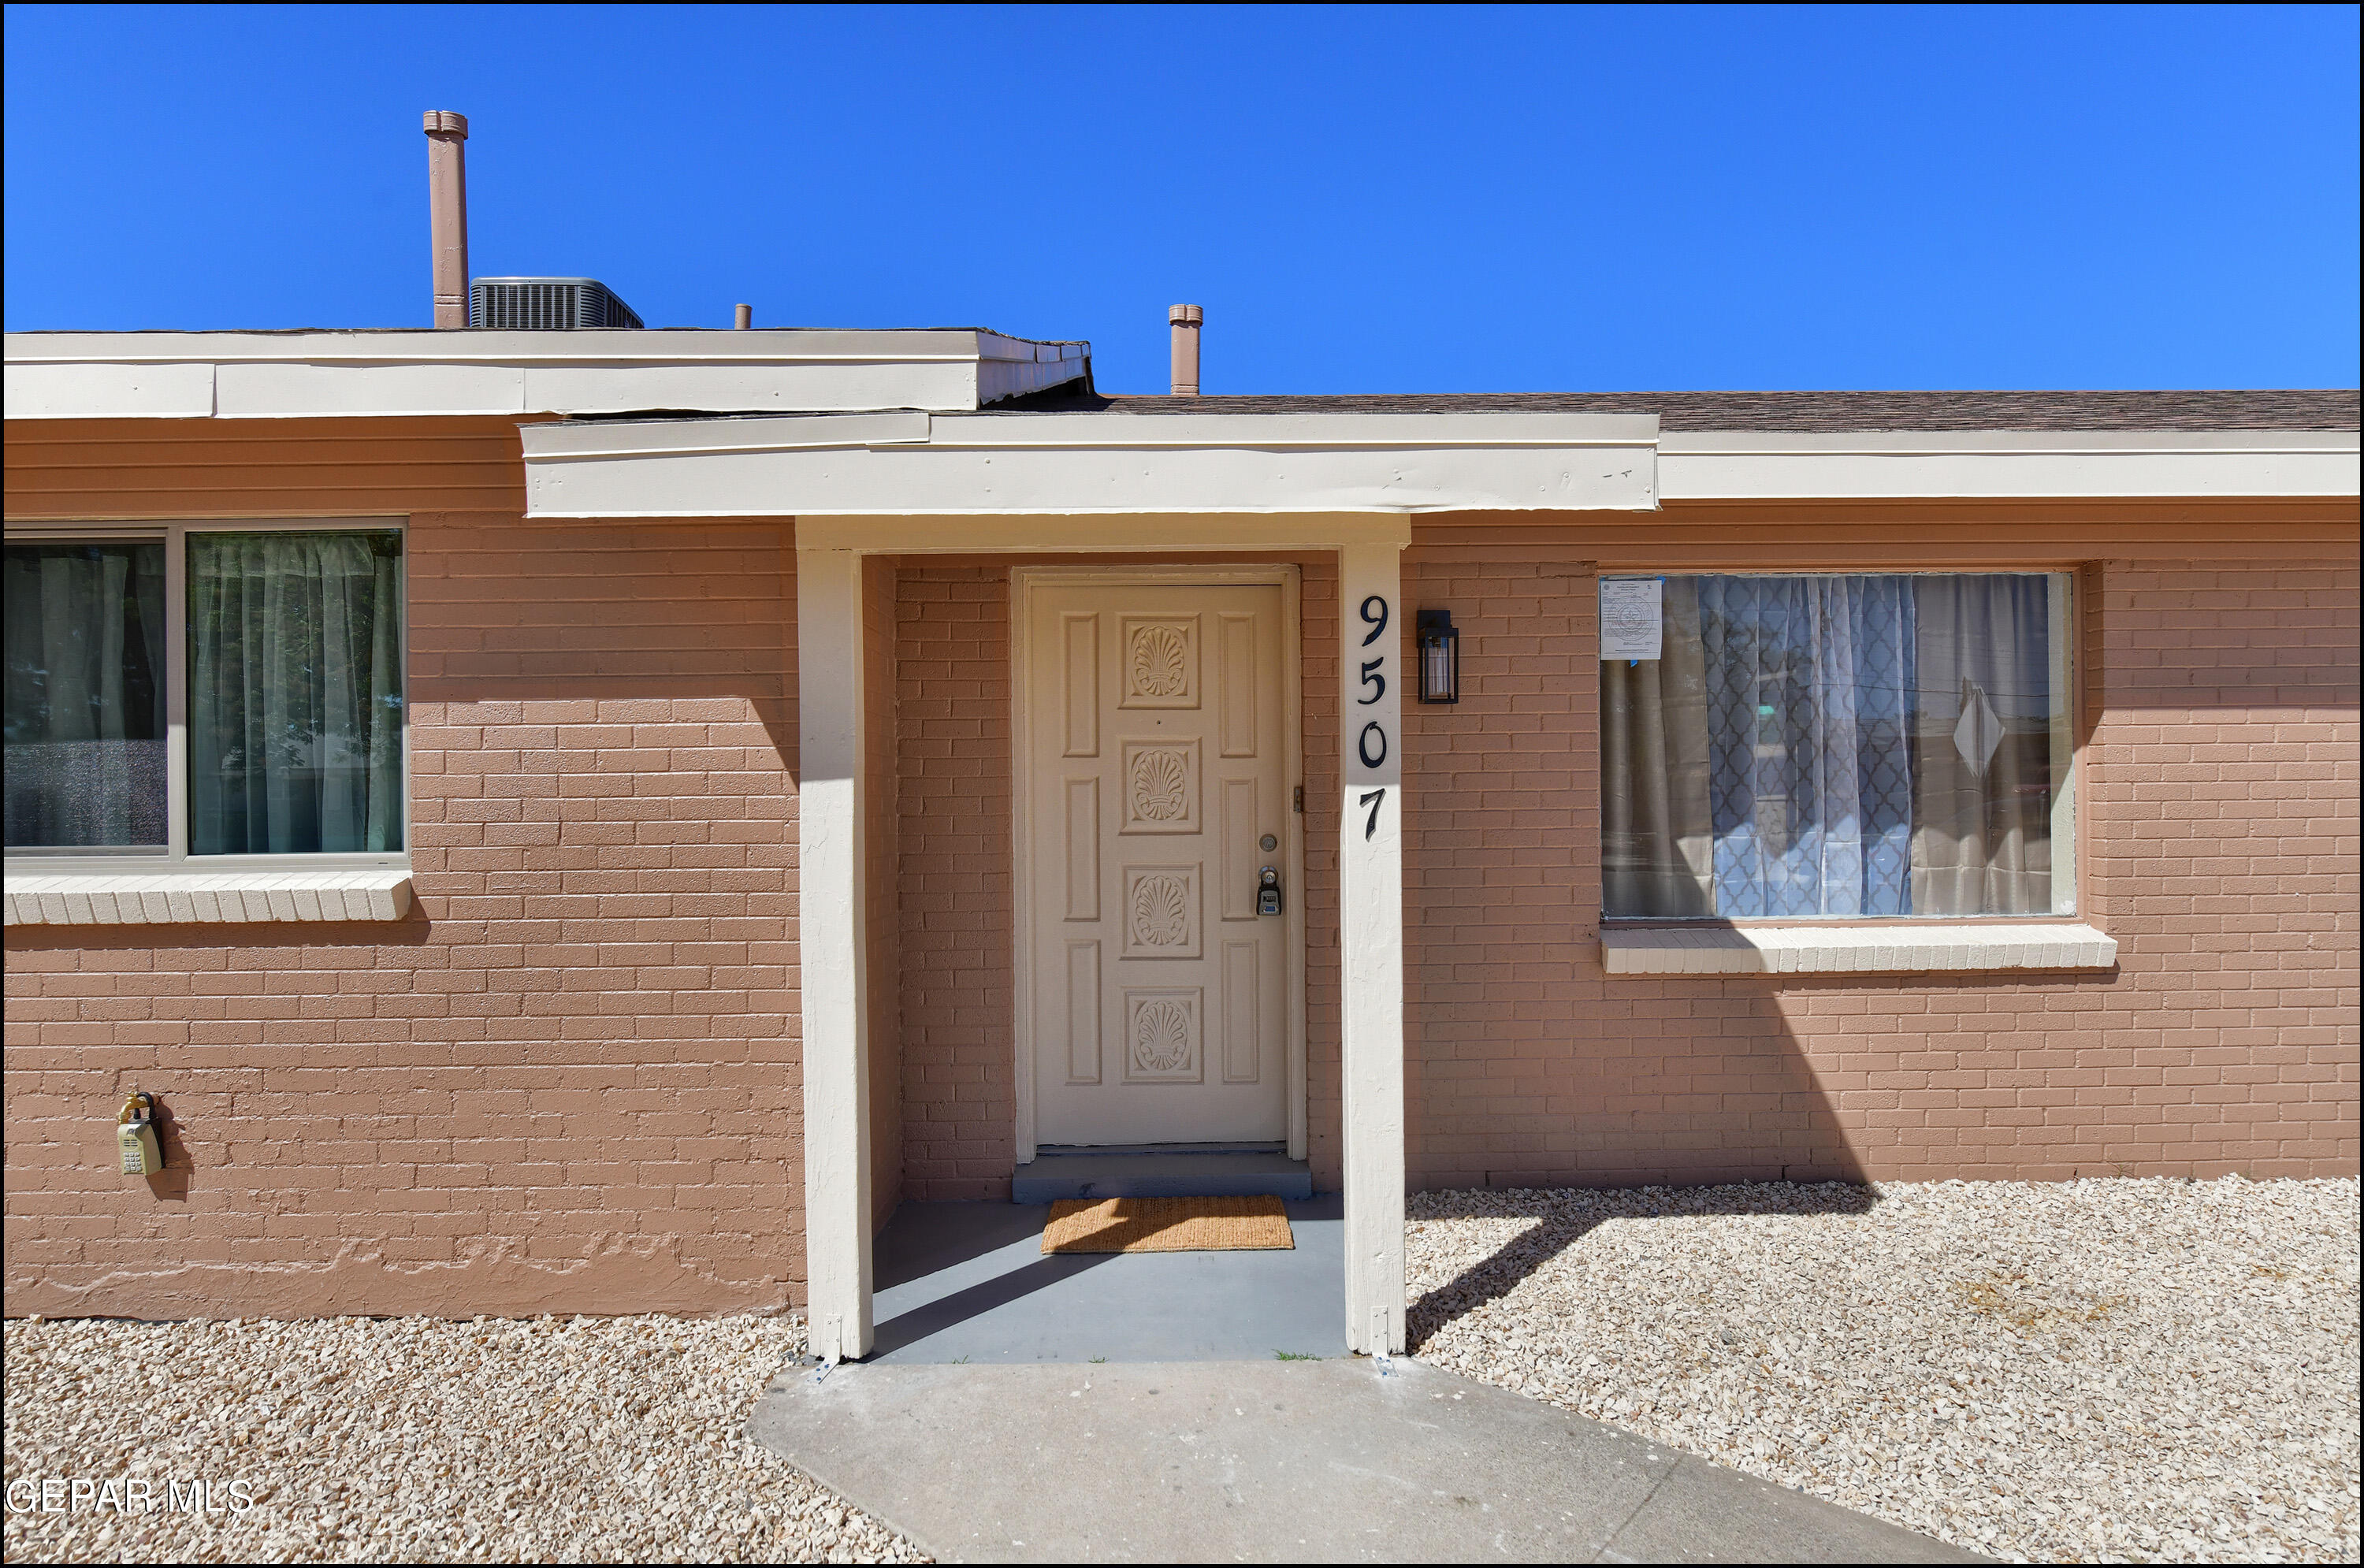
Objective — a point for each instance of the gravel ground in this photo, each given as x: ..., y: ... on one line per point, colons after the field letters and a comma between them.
x: 420, y: 1440
x: 2125, y: 1369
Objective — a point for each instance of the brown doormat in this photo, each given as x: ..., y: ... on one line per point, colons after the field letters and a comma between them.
x: 1250, y: 1224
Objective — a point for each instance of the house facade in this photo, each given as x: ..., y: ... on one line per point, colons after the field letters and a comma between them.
x: 590, y: 821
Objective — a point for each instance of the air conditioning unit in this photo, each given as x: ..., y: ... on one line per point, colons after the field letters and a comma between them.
x: 546, y: 304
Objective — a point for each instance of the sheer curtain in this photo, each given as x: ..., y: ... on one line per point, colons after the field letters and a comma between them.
x: 1810, y: 780
x: 295, y: 693
x: 85, y: 695
x: 1982, y: 794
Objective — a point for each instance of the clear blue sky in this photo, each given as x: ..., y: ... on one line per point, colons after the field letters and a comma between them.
x: 1383, y: 200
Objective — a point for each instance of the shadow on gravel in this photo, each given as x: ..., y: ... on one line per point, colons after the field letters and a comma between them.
x: 1568, y: 1216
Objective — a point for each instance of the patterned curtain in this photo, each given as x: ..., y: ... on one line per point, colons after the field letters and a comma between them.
x: 1810, y: 779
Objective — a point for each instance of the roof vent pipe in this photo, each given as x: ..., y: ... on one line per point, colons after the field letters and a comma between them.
x: 744, y: 318
x: 1186, y: 319
x: 447, y: 206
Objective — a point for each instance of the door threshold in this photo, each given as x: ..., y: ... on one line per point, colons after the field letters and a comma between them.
x: 1074, y: 1150
x: 1189, y: 1169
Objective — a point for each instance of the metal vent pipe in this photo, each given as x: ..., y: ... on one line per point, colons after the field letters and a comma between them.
x: 1186, y: 320
x: 743, y: 317
x: 447, y: 207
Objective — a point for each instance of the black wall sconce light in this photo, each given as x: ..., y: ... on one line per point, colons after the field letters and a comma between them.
x: 1440, y: 657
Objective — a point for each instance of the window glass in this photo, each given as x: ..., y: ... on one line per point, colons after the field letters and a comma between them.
x: 295, y: 693
x: 1840, y: 747
x: 85, y: 695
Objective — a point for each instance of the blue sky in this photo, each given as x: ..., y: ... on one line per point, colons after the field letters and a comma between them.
x: 1365, y: 200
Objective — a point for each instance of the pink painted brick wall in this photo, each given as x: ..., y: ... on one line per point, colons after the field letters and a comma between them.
x: 2220, y: 815
x: 953, y: 886
x: 569, y: 1082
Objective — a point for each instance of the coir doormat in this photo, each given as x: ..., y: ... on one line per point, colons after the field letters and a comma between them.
x: 1249, y: 1224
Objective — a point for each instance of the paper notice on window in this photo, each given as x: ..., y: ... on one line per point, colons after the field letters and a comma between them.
x: 1632, y: 626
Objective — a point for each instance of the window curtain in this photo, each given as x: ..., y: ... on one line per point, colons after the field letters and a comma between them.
x: 1982, y: 794
x: 85, y: 695
x: 295, y: 693
x: 1656, y: 846
x: 1833, y: 746
x: 1809, y: 775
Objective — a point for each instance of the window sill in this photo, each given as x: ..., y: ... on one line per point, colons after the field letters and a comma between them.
x: 1854, y: 950
x: 175, y: 898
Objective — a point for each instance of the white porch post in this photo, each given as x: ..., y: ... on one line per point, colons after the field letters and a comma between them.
x: 1370, y: 939
x: 830, y: 950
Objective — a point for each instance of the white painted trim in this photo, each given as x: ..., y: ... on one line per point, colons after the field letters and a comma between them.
x: 1023, y: 581
x: 832, y: 951
x: 1102, y: 465
x: 1701, y: 465
x: 166, y: 898
x: 92, y: 375
x: 1101, y: 533
x: 690, y: 438
x: 1289, y: 432
x: 644, y: 346
x: 1916, y: 948
x: 1370, y: 946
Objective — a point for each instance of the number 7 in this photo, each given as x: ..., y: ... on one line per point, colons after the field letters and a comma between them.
x: 1372, y: 798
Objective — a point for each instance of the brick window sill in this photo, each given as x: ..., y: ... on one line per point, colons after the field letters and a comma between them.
x: 1926, y: 948
x: 176, y: 898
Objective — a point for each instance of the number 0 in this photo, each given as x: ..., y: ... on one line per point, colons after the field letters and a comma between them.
x: 1371, y: 733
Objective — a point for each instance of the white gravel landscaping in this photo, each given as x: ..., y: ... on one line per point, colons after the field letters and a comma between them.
x: 2112, y: 1370
x: 419, y: 1440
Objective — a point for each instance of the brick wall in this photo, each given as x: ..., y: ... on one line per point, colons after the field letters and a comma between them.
x: 569, y: 1082
x: 953, y: 781
x: 2220, y: 820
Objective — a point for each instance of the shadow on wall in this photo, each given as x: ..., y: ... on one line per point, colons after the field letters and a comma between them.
x: 1567, y: 1218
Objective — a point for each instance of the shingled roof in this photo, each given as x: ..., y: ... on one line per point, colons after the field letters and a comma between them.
x: 1800, y: 412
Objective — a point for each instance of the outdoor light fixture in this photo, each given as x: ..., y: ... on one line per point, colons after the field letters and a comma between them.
x: 1440, y: 657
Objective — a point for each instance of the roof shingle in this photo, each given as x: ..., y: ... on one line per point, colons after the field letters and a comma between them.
x: 1797, y: 412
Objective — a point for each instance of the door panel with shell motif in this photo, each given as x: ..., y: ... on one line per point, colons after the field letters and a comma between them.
x: 1158, y: 777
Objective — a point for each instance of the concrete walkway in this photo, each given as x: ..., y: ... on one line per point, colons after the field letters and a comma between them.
x: 1275, y: 1461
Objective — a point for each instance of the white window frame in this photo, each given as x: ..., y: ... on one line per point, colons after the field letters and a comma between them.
x: 175, y: 858
x: 2062, y: 631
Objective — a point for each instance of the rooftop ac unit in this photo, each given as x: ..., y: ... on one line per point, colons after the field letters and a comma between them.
x: 546, y: 304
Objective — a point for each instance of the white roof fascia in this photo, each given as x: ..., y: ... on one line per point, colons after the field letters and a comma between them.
x: 97, y: 375
x: 1093, y: 464
x: 1750, y: 465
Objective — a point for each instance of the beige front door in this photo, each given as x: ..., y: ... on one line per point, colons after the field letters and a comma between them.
x: 1159, y: 789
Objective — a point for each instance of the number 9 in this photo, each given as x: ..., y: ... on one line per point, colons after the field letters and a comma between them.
x: 1377, y: 623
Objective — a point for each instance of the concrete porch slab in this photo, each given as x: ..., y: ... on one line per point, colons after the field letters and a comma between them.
x: 1278, y: 1462
x: 968, y: 1282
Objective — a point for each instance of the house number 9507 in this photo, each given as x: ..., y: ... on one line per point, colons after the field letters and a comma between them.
x: 1372, y: 745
